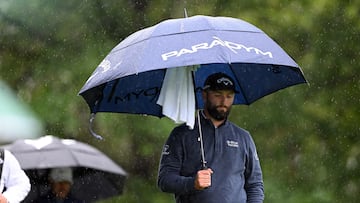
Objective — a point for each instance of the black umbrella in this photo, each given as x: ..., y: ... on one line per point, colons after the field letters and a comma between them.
x: 96, y: 176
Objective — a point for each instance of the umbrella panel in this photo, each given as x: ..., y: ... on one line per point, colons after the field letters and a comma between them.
x: 135, y: 94
x: 93, y: 170
x: 253, y: 81
x: 89, y: 184
x: 138, y: 93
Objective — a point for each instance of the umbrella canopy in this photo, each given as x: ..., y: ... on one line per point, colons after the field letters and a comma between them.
x: 179, y: 54
x: 96, y: 176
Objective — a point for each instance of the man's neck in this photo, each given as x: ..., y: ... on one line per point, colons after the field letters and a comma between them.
x: 215, y: 122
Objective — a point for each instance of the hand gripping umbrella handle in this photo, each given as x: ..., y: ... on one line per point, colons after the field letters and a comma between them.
x: 203, y: 161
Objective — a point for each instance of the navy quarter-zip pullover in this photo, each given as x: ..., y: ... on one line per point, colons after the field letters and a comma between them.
x: 229, y: 151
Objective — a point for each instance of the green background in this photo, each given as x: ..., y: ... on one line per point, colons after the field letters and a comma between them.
x: 307, y: 135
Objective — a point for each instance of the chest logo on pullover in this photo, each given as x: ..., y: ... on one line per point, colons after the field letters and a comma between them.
x: 232, y: 143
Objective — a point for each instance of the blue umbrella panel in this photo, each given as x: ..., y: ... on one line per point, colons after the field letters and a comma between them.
x: 131, y: 77
x: 138, y: 93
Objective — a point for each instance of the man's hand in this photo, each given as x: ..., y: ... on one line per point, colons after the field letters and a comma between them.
x: 203, y: 179
x: 3, y: 199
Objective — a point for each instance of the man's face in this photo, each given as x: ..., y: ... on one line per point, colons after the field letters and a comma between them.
x: 218, y: 103
x: 61, y: 189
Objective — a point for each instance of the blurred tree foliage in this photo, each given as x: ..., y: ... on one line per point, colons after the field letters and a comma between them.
x: 307, y: 136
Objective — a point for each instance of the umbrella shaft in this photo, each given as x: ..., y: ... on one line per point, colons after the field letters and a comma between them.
x: 201, y: 143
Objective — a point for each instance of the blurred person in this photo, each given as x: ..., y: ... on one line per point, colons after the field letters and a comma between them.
x: 232, y: 174
x: 61, y: 180
x: 14, y: 183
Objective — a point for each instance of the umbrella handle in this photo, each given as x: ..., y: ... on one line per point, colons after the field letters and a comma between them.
x: 93, y: 133
x: 203, y: 161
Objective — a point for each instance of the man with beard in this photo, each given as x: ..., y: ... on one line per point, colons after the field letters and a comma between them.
x: 232, y: 173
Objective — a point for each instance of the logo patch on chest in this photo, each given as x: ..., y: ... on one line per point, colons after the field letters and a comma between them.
x: 232, y: 143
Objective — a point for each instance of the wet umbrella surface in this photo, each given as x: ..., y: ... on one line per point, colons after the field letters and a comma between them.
x: 96, y: 176
x: 160, y: 70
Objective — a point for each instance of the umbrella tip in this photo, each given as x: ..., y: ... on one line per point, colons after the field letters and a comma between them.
x: 185, y: 13
x: 93, y: 133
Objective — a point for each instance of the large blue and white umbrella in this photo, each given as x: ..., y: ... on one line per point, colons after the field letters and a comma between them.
x: 160, y: 70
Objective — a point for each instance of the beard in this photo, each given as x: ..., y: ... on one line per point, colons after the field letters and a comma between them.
x: 215, y: 113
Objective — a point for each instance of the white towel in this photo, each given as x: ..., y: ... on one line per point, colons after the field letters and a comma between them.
x: 177, y: 95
